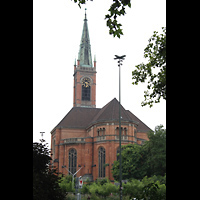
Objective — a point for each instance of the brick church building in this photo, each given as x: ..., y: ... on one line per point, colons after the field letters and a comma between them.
x: 87, y: 136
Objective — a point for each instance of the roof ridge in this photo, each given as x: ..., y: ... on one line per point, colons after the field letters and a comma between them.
x: 101, y: 111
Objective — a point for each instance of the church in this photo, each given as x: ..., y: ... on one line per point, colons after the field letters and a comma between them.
x: 87, y: 138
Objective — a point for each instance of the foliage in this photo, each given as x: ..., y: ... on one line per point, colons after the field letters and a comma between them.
x: 146, y: 160
x: 132, y: 163
x: 44, y: 177
x: 116, y: 9
x: 155, y: 69
x: 155, y: 150
x: 133, y: 188
x: 66, y: 184
x: 145, y: 189
x: 102, y: 189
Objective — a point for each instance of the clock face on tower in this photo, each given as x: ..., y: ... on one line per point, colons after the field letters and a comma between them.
x: 86, y: 82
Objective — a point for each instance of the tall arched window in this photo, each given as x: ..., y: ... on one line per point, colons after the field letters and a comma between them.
x: 72, y: 160
x: 102, y: 161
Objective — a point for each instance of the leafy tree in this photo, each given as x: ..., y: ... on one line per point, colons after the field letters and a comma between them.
x: 155, y: 69
x: 116, y: 9
x: 133, y: 159
x: 146, y: 160
x: 155, y: 150
x: 45, y: 179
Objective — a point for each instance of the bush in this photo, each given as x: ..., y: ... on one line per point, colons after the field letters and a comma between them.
x: 66, y: 184
x: 133, y: 188
x: 148, y: 188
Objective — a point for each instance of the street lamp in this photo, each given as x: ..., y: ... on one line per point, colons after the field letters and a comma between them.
x: 64, y: 166
x: 120, y: 59
x: 42, y: 135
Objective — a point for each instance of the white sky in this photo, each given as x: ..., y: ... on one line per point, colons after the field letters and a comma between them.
x: 57, y: 30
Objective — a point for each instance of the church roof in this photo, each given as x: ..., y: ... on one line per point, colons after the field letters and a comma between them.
x: 84, y: 55
x: 80, y: 117
x: 110, y: 112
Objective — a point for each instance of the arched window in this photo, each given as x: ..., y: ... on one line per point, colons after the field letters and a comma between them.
x: 72, y: 160
x: 101, y: 132
x: 102, y: 161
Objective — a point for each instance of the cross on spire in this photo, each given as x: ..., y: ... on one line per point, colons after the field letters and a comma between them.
x: 85, y: 13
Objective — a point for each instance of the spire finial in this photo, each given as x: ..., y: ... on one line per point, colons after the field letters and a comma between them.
x: 85, y: 13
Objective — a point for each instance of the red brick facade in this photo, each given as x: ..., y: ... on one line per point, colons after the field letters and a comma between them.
x: 87, y: 141
x: 86, y: 129
x: 80, y: 73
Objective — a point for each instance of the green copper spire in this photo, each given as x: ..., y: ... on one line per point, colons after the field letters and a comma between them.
x: 85, y: 48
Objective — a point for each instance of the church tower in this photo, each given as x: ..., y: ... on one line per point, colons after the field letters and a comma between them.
x: 85, y: 73
x: 86, y: 140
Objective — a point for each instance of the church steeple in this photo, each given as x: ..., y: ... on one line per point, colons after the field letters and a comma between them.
x: 84, y: 55
x: 85, y: 73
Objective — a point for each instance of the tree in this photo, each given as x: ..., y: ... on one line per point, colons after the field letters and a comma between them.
x: 146, y: 160
x: 155, y: 69
x: 133, y: 159
x: 116, y: 9
x: 155, y: 150
x: 45, y: 179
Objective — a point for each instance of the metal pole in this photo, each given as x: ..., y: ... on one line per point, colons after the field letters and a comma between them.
x: 120, y: 59
x: 120, y: 157
x: 72, y: 174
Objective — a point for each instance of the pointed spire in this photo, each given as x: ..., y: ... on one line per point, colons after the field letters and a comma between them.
x: 84, y: 55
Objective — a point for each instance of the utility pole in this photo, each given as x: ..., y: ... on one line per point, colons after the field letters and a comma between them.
x: 120, y: 59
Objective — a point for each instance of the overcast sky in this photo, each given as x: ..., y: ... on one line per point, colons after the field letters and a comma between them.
x: 57, y: 30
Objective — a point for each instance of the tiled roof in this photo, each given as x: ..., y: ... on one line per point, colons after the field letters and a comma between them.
x: 110, y: 112
x: 80, y: 117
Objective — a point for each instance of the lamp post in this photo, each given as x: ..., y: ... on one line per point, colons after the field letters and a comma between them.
x: 42, y: 135
x: 120, y: 59
x: 64, y: 166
